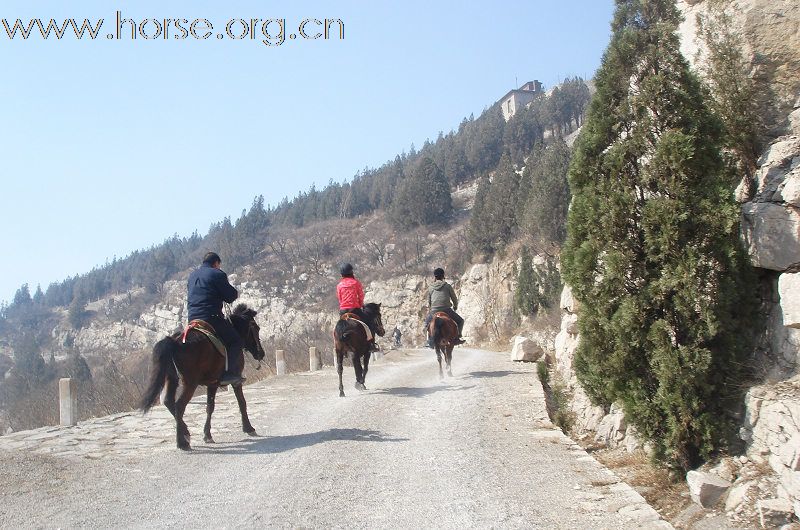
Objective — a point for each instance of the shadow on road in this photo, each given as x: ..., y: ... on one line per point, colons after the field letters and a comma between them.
x: 280, y: 444
x: 418, y: 392
x: 496, y: 373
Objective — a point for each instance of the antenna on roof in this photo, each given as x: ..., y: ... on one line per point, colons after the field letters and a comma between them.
x: 516, y: 83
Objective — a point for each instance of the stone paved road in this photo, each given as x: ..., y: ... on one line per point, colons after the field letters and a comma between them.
x: 474, y: 451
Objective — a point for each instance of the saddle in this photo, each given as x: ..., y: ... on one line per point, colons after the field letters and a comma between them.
x: 208, y: 330
x: 352, y: 316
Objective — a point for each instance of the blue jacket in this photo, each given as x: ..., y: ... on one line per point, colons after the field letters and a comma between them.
x: 208, y: 288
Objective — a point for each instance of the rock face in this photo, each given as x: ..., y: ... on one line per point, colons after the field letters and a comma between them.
x: 789, y: 291
x: 772, y: 430
x: 487, y: 300
x: 524, y: 349
x: 706, y: 489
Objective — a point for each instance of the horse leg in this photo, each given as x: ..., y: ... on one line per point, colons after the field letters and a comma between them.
x: 169, y: 395
x: 182, y: 434
x: 246, y: 427
x: 439, y: 358
x: 356, y: 358
x: 366, y: 369
x: 339, y: 368
x: 210, y: 395
x: 449, y: 359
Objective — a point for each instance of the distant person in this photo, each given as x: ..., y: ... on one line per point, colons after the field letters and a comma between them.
x: 442, y: 297
x: 208, y: 288
x: 397, y: 334
x: 350, y: 293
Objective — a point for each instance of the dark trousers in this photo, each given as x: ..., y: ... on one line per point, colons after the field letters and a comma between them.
x: 452, y: 314
x: 233, y: 342
x: 361, y: 316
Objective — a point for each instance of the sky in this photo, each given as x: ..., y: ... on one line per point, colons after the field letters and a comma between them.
x: 115, y: 144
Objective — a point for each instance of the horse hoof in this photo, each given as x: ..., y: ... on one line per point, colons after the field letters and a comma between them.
x: 341, y: 394
x: 208, y: 440
x: 252, y: 433
x: 360, y: 386
x: 186, y: 447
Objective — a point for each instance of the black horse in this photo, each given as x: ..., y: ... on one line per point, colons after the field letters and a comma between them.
x: 197, y: 362
x: 350, y: 336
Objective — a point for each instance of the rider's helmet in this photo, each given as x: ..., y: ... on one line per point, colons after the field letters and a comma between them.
x: 438, y: 273
x: 346, y: 269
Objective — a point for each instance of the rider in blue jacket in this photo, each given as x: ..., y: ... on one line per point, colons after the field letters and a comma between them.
x: 208, y: 288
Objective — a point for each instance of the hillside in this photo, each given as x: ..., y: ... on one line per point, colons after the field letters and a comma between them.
x: 99, y: 326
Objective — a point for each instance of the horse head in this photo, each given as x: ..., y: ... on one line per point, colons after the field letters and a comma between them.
x: 373, y: 312
x: 243, y: 319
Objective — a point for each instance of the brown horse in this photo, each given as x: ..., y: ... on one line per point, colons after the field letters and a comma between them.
x: 197, y: 362
x: 350, y: 336
x: 444, y: 331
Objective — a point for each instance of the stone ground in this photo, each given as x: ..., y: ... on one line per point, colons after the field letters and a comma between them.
x: 476, y: 450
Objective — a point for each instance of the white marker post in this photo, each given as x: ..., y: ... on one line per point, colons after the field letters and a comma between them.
x: 313, y: 359
x: 280, y: 363
x: 67, y: 402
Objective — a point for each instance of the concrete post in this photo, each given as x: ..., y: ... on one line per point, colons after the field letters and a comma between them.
x: 314, y: 362
x: 67, y: 402
x: 280, y: 362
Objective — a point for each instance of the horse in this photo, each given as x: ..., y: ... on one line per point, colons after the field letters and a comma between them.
x: 349, y: 335
x: 444, y: 331
x: 197, y: 362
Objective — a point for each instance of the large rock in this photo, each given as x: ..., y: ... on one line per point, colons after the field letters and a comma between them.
x: 706, y: 489
x: 525, y: 349
x: 773, y: 513
x: 789, y: 291
x: 772, y: 235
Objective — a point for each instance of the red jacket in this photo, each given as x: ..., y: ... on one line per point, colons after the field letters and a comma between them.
x: 350, y: 293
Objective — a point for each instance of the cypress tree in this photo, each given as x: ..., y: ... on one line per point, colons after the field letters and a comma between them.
x: 652, y: 251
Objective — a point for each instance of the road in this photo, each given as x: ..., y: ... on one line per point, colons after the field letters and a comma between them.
x: 476, y: 450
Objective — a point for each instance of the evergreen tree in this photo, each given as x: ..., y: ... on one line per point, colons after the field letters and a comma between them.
x: 653, y: 251
x: 545, y: 213
x: 527, y: 291
x: 479, y: 232
x: 423, y: 198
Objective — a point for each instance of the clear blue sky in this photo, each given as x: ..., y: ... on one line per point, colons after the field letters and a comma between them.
x: 109, y: 146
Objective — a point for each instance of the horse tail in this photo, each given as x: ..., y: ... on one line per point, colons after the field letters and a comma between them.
x: 163, y: 356
x: 438, y: 329
x: 341, y: 332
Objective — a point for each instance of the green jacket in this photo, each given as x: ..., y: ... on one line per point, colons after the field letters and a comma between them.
x: 440, y: 295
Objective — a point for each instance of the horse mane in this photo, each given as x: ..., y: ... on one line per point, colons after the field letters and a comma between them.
x: 372, y: 308
x: 243, y: 311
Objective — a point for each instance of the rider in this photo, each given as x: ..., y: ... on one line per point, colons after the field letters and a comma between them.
x: 442, y: 297
x: 350, y: 293
x: 208, y: 287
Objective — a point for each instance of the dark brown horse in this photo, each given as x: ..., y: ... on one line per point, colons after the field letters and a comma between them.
x: 444, y: 331
x: 350, y: 336
x: 197, y: 362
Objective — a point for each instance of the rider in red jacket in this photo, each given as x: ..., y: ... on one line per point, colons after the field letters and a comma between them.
x: 350, y: 293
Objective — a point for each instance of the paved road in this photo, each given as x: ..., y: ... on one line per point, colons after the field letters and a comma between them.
x: 474, y: 451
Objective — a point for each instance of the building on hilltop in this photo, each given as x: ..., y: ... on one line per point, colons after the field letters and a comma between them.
x: 520, y: 97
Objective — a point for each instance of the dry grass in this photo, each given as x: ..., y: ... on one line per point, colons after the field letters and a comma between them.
x: 664, y: 491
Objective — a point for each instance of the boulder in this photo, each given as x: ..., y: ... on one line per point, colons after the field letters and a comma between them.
x: 706, y: 489
x: 790, y: 193
x: 771, y: 233
x: 774, y: 512
x: 738, y: 494
x: 526, y: 350
x: 789, y: 291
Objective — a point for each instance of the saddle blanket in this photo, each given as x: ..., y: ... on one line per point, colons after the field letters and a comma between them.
x: 351, y: 316
x: 206, y: 329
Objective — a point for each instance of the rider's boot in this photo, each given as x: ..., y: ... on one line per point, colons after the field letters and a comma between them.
x: 373, y: 347
x: 233, y: 375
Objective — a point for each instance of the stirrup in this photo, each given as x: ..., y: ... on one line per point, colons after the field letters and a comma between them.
x: 231, y: 379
